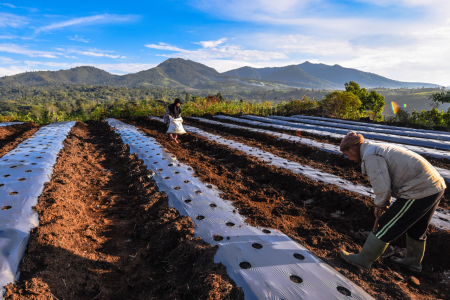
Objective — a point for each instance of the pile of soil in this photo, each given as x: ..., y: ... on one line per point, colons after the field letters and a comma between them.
x: 11, y: 136
x: 106, y: 232
x: 322, y: 217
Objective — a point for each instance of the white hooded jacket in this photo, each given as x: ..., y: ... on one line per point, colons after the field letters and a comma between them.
x: 394, y: 171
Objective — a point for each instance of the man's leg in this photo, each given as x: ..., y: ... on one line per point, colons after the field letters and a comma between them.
x: 416, y: 235
x: 404, y: 213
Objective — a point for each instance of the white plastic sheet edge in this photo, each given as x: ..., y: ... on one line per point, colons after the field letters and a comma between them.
x: 361, y: 127
x: 9, y: 123
x: 312, y: 143
x: 441, y: 218
x: 430, y: 143
x: 270, y: 267
x: 23, y: 173
x: 285, y: 125
x: 370, y: 125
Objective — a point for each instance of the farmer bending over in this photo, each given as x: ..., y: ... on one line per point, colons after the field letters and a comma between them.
x: 173, y: 111
x: 395, y: 171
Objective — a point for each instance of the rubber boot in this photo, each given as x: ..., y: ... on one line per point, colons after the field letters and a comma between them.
x: 414, y: 254
x: 373, y: 248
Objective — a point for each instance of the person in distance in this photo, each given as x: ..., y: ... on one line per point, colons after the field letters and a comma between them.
x: 395, y: 171
x: 173, y: 111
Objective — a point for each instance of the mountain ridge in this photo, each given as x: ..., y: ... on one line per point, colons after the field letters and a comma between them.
x: 186, y: 74
x: 334, y: 74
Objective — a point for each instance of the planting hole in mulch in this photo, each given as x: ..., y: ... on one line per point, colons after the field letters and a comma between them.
x: 344, y: 291
x: 218, y: 238
x: 6, y: 207
x: 299, y: 256
x: 245, y: 265
x: 200, y: 217
x: 257, y: 246
x: 296, y: 279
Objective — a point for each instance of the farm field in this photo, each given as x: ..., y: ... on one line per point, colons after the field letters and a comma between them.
x: 107, y: 230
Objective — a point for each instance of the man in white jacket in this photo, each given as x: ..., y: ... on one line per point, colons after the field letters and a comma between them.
x: 418, y: 187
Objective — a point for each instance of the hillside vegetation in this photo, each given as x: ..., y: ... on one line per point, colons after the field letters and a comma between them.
x: 62, y: 103
x: 178, y: 73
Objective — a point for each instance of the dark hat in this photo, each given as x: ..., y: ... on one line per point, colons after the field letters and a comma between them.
x: 352, y: 138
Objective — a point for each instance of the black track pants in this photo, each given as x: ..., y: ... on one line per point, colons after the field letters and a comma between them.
x: 408, y: 215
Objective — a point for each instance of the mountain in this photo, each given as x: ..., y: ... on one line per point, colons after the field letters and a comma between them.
x: 186, y: 74
x: 327, y: 74
x: 78, y: 75
x: 294, y: 73
x: 341, y: 75
x: 249, y: 72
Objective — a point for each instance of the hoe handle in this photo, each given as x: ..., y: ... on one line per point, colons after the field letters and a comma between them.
x: 375, y: 226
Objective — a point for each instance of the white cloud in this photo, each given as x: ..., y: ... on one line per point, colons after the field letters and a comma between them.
x: 10, y: 20
x: 250, y: 8
x: 77, y: 38
x: 214, y: 50
x: 94, y: 53
x: 31, y: 9
x: 307, y: 44
x: 164, y: 46
x: 7, y: 4
x: 97, y: 19
x: 12, y: 48
x: 211, y: 44
x: 123, y: 68
x: 7, y: 60
x: 425, y: 59
x: 14, y: 37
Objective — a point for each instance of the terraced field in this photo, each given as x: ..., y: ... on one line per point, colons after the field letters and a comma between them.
x: 241, y: 208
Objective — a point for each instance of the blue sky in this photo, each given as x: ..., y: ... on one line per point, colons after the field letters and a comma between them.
x: 406, y: 40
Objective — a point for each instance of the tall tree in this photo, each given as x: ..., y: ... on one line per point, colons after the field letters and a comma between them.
x: 372, y: 101
x: 443, y: 97
x: 341, y: 104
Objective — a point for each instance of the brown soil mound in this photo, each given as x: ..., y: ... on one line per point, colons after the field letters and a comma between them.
x: 106, y: 232
x: 320, y: 216
x: 11, y: 136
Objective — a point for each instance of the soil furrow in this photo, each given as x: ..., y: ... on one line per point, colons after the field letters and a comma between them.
x: 438, y: 162
x: 330, y: 163
x: 106, y: 232
x: 322, y: 217
x: 11, y: 136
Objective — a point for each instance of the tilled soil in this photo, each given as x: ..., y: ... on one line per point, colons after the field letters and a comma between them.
x: 11, y: 136
x: 320, y: 216
x: 438, y: 162
x: 330, y: 163
x: 106, y: 232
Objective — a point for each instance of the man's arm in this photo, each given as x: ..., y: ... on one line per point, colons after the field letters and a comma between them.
x: 377, y: 170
